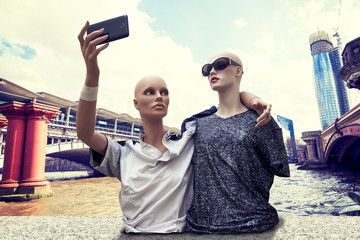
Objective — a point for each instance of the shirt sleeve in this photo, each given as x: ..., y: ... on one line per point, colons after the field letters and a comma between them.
x: 271, y: 145
x: 108, y: 164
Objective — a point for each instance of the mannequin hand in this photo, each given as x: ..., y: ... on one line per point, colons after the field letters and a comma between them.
x: 90, y: 51
x: 264, y: 111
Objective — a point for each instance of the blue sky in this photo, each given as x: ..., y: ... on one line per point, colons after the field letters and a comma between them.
x: 208, y: 26
x: 23, y: 51
x: 39, y: 49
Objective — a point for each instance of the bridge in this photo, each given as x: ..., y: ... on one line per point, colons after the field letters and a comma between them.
x: 337, y: 146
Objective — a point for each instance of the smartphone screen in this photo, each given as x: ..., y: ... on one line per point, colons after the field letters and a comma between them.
x: 116, y: 28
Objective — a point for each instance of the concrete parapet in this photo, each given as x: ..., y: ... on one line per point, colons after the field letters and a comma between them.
x: 290, y: 227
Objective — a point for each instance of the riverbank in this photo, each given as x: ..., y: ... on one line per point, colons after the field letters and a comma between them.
x: 81, y: 197
x: 305, y: 193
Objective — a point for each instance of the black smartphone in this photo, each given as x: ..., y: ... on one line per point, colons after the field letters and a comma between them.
x: 116, y: 28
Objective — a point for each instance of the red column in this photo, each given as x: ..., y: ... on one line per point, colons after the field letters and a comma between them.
x: 3, y: 123
x: 38, y: 116
x: 14, y: 148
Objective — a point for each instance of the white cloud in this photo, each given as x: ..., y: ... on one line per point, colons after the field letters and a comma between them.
x: 349, y: 19
x: 240, y: 22
x: 302, y: 13
x: 266, y: 43
x: 51, y: 28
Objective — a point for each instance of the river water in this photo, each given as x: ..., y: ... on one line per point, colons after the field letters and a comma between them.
x: 306, y: 192
x: 311, y: 192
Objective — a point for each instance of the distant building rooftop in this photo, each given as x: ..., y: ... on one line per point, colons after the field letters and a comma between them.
x: 350, y: 72
x: 10, y: 92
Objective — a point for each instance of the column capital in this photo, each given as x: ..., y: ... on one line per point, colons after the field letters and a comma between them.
x: 3, y: 122
x: 309, y: 141
x: 41, y: 111
x: 13, y: 109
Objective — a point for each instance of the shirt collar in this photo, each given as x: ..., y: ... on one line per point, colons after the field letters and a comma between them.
x: 154, y: 153
x: 169, y: 135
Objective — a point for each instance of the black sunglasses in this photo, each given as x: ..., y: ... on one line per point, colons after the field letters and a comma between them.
x: 219, y: 64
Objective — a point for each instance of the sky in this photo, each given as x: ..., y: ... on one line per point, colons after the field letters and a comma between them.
x: 39, y: 50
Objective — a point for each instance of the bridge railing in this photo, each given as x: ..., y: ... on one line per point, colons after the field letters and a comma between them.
x: 122, y: 133
x: 66, y: 142
x: 62, y: 123
x: 62, y: 146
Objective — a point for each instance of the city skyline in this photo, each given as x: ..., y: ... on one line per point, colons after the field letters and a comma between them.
x: 331, y: 95
x: 39, y: 50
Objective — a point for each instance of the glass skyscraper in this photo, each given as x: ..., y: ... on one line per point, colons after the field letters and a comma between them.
x: 330, y: 90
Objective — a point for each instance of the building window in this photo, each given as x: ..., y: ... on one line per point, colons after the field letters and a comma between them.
x: 355, y: 50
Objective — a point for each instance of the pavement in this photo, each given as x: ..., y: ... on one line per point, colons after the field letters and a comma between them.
x: 100, y: 227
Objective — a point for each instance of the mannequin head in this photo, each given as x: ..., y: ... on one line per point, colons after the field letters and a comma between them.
x: 151, y: 97
x: 221, y: 78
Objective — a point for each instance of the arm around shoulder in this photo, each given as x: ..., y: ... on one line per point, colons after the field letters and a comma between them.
x: 255, y: 103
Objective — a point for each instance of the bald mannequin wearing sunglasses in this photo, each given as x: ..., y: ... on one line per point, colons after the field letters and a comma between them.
x: 234, y: 162
x: 155, y: 171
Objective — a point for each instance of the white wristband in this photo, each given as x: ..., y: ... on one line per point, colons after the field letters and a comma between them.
x: 89, y: 93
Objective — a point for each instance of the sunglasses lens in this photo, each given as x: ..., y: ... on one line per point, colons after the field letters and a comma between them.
x: 206, y: 70
x: 220, y: 64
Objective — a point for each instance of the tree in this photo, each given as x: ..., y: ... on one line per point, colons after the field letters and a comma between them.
x: 289, y: 148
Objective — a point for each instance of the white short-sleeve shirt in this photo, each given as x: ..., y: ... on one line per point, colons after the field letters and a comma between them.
x: 156, y: 189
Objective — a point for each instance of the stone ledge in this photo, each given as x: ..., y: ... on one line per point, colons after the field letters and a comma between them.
x: 24, y: 197
x: 25, y: 193
x: 290, y: 227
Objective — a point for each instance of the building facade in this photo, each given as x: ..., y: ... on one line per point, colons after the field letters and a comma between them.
x: 330, y: 90
x: 350, y: 72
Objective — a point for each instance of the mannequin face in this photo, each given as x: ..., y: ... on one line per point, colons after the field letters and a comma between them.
x: 228, y: 77
x: 151, y: 97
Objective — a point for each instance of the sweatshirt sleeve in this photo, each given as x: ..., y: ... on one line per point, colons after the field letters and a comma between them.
x: 108, y: 164
x: 272, y: 146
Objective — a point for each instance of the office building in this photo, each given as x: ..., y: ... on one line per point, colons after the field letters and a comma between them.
x: 330, y: 90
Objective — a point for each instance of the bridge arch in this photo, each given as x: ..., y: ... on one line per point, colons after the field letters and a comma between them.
x: 343, y: 148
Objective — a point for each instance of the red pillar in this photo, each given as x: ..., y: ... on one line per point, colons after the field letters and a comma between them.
x: 3, y: 123
x: 38, y: 116
x: 14, y: 148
